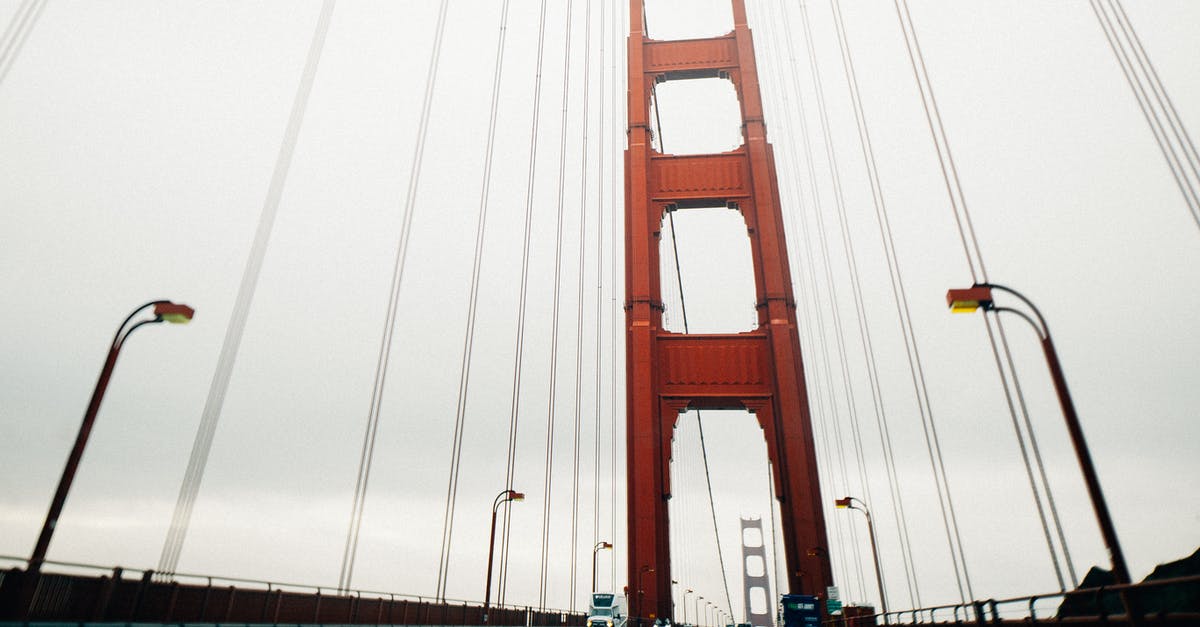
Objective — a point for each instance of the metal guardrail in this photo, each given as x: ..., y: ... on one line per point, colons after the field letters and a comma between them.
x: 97, y: 584
x: 988, y: 611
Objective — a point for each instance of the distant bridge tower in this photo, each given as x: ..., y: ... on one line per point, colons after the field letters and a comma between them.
x: 668, y: 373
x: 754, y: 575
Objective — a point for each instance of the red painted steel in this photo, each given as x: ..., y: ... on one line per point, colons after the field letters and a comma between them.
x: 667, y: 373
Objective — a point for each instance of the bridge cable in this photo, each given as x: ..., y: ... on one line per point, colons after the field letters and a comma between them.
x: 1037, y: 455
x: 895, y: 494
x: 1136, y: 83
x: 864, y: 333
x: 900, y: 300
x: 17, y: 33
x: 616, y: 328
x: 385, y: 343
x: 802, y: 228
x: 197, y: 462
x: 683, y: 310
x: 464, y: 380
x: 587, y: 67
x: 699, y: 424
x: 547, y: 480
x: 600, y: 145
x: 965, y: 227
x: 519, y: 353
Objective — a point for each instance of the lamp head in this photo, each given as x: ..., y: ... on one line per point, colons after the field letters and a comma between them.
x: 969, y: 299
x: 513, y: 495
x: 842, y: 503
x: 174, y: 313
x: 606, y: 545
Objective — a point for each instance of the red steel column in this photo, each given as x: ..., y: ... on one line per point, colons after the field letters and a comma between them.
x: 805, y: 540
x: 649, y: 556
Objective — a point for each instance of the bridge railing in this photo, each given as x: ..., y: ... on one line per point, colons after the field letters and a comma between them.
x: 88, y: 592
x: 1148, y: 601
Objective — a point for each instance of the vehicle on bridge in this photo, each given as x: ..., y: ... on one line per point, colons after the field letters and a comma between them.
x: 607, y: 610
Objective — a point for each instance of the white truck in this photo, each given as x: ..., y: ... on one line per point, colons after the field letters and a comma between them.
x: 607, y: 610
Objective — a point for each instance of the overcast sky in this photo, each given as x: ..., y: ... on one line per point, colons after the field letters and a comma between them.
x: 137, y: 141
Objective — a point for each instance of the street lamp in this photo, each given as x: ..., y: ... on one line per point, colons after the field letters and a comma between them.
x: 164, y: 311
x: 697, y: 608
x: 504, y: 497
x: 848, y: 503
x: 596, y: 549
x: 979, y: 296
x: 707, y: 607
x: 685, y: 593
x: 641, y: 590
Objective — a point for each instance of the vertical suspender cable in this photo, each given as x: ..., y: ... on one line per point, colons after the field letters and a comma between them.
x: 699, y: 424
x: 803, y: 230
x: 547, y: 480
x: 618, y: 130
x: 1037, y: 456
x: 587, y: 66
x: 17, y: 33
x: 469, y: 336
x: 864, y: 331
x: 514, y: 412
x: 190, y: 487
x: 1165, y: 109
x: 971, y: 249
x: 385, y: 342
x: 840, y: 334
x: 600, y: 145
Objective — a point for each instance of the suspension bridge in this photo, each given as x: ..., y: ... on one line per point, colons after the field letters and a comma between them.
x: 498, y: 304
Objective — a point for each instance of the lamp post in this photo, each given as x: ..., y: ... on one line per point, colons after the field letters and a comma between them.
x: 848, y: 503
x: 708, y: 606
x: 164, y: 311
x: 504, y: 497
x: 686, y: 592
x: 641, y: 590
x: 979, y: 296
x: 596, y: 549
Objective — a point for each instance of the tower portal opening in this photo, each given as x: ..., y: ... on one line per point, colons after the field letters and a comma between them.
x: 696, y: 116
x: 715, y: 268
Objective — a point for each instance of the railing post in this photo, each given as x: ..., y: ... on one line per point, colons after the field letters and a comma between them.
x: 979, y: 618
x: 141, y: 593
x: 229, y: 604
x: 262, y: 612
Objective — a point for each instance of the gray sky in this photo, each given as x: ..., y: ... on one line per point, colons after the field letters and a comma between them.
x: 137, y: 141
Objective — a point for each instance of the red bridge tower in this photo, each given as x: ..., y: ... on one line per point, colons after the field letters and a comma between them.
x: 761, y: 370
